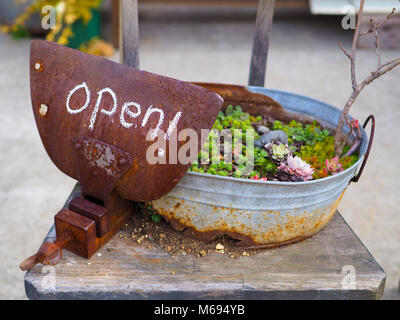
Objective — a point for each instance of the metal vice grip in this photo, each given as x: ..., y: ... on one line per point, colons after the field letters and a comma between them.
x: 98, y: 213
x: 83, y: 228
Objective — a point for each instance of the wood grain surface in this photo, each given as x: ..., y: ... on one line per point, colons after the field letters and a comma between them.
x: 311, y: 269
x: 129, y: 32
x: 258, y: 64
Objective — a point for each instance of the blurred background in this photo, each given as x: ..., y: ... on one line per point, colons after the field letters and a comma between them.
x: 199, y: 40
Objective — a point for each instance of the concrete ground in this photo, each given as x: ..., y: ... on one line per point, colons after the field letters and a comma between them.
x: 304, y: 58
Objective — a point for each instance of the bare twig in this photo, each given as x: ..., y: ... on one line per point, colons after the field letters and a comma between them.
x: 380, y: 24
x: 381, y: 69
x: 344, y: 50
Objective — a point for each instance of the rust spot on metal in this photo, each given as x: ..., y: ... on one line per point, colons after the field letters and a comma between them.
x: 291, y: 228
x: 177, y: 205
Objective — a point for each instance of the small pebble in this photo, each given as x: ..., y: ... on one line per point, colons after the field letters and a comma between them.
x: 219, y: 247
x: 203, y: 253
x: 262, y: 129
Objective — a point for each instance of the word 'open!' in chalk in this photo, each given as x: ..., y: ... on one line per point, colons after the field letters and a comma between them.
x: 129, y: 110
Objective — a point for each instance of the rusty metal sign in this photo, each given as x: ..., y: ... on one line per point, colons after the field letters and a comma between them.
x: 89, y: 109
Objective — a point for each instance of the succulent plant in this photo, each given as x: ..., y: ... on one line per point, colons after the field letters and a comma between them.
x: 333, y: 166
x: 296, y: 166
x: 308, y: 141
x: 278, y: 151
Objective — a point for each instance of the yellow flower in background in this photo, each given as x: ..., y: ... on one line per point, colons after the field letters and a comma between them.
x: 67, y: 13
x: 5, y: 29
x: 98, y: 47
x: 70, y: 18
x: 60, y: 7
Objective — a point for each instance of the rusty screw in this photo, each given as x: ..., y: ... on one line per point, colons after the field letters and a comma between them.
x: 48, y: 253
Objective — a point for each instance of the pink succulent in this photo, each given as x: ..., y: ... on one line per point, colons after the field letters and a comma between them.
x: 256, y: 177
x: 333, y: 166
x: 296, y: 166
x: 355, y: 123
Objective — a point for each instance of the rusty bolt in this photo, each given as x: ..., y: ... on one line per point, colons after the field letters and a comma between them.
x: 43, y: 109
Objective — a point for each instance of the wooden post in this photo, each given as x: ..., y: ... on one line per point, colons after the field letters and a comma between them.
x: 129, y: 33
x: 265, y: 13
x: 115, y: 22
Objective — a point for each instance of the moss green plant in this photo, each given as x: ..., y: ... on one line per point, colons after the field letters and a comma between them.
x: 310, y: 142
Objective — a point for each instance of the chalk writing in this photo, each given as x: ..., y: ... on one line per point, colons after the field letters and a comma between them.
x: 98, y: 101
x: 79, y: 86
x: 173, y: 124
x: 149, y: 111
x: 126, y: 111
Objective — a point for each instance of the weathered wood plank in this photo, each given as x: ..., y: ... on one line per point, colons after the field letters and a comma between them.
x: 231, y: 3
x: 129, y: 33
x: 115, y: 22
x: 258, y: 64
x: 310, y: 269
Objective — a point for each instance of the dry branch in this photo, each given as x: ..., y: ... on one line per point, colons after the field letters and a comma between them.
x: 381, y: 69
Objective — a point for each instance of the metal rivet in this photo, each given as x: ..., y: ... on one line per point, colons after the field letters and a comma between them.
x: 37, y: 66
x: 43, y: 109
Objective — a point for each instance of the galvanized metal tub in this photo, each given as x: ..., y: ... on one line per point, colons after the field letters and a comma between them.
x: 260, y: 213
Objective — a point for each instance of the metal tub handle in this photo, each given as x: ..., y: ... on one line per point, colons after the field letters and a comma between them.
x: 371, y: 139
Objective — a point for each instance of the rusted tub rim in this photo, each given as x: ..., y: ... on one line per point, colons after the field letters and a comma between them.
x: 266, y: 91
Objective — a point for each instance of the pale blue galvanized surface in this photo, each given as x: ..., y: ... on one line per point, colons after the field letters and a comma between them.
x: 265, y: 212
